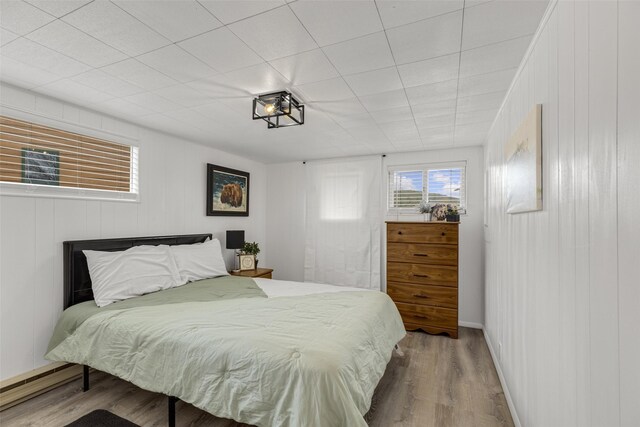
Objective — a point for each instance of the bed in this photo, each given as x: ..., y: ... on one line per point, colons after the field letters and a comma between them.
x: 258, y: 351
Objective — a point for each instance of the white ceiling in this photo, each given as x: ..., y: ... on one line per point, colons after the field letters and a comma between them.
x: 376, y: 76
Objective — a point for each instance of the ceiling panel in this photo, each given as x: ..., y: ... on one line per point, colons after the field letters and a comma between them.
x: 486, y: 83
x: 24, y: 75
x: 384, y: 100
x: 139, y: 74
x: 326, y: 90
x: 396, y: 13
x: 38, y: 56
x: 176, y: 20
x: 21, y: 18
x: 177, y: 64
x: 58, y: 8
x: 99, y: 80
x: 6, y: 36
x: 274, y: 34
x: 108, y: 23
x: 485, y: 101
x: 221, y: 50
x: 234, y: 10
x: 428, y: 94
x: 397, y: 114
x: 184, y: 95
x: 307, y: 67
x: 370, y: 82
x: 426, y: 39
x: 498, y: 21
x: 494, y: 57
x: 332, y: 22
x: 74, y: 43
x: 430, y: 71
x: 362, y: 54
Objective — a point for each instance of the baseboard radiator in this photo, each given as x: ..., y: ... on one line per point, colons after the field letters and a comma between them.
x: 33, y: 383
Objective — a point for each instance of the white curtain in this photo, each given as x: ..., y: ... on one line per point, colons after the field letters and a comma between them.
x: 343, y: 222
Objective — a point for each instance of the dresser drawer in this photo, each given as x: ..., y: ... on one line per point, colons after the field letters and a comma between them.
x: 423, y: 253
x: 429, y: 232
x: 440, y: 296
x: 430, y: 316
x: 422, y: 274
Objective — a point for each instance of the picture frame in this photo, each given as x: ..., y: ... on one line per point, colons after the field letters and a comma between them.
x: 40, y: 166
x: 227, y: 191
x: 247, y: 262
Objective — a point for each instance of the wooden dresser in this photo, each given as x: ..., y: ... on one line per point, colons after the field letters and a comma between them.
x: 422, y: 274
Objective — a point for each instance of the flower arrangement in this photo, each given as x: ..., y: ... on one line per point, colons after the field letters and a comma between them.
x: 250, y: 248
x: 424, y: 207
x: 453, y: 214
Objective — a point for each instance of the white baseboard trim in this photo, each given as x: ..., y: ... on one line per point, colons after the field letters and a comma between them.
x: 473, y: 325
x: 503, y: 383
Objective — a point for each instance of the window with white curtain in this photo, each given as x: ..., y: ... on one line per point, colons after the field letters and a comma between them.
x: 433, y: 183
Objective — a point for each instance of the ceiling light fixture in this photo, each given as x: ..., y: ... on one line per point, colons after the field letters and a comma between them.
x: 278, y: 109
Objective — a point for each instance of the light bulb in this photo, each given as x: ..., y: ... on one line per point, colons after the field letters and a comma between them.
x: 269, y: 108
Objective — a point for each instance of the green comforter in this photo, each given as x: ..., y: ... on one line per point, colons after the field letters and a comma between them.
x: 291, y: 361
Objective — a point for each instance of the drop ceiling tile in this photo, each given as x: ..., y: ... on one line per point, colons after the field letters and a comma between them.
x: 434, y: 109
x: 257, y: 79
x: 75, y: 44
x: 397, y: 114
x: 370, y: 135
x: 437, y: 92
x: 176, y: 20
x: 436, y: 121
x: 498, y: 21
x: 385, y: 100
x: 400, y: 131
x: 108, y: 23
x: 220, y: 113
x: 326, y: 90
x: 396, y: 13
x: 437, y: 134
x: 486, y: 83
x: 494, y: 57
x: 426, y: 39
x: 21, y: 18
x: 477, y: 131
x: 362, y: 54
x: 6, y: 36
x: 307, y: 67
x: 58, y: 8
x: 287, y: 38
x: 38, y: 56
x: 68, y: 90
x: 372, y: 82
x: 219, y: 86
x: 221, y: 50
x: 350, y: 119
x: 139, y: 74
x: 24, y: 75
x: 177, y: 64
x: 479, y: 116
x: 332, y: 22
x: 121, y: 108
x: 184, y: 95
x: 486, y: 101
x: 153, y: 102
x: 232, y: 11
x: 430, y: 71
x: 106, y: 83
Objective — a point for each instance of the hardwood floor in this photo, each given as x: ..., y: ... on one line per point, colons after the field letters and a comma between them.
x: 438, y: 382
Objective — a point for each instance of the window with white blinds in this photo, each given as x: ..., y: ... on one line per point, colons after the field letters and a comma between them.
x: 38, y: 159
x: 433, y: 183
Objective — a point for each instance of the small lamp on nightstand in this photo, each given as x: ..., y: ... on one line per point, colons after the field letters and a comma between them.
x: 235, y: 241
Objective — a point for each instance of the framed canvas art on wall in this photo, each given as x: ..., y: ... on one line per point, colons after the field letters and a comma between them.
x: 227, y: 191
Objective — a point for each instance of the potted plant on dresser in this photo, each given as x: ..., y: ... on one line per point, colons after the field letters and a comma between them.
x: 453, y: 214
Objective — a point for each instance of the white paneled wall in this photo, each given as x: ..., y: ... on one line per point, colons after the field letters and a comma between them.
x: 172, y: 201
x: 563, y: 284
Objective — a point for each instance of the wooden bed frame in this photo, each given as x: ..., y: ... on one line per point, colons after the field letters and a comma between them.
x: 77, y: 282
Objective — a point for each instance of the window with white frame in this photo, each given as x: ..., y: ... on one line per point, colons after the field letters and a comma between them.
x: 433, y: 183
x: 41, y: 160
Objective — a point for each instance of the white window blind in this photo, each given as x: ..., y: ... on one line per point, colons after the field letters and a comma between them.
x: 434, y: 183
x: 43, y: 160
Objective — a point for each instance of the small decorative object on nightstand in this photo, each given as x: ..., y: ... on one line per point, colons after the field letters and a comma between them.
x: 247, y: 262
x: 264, y: 273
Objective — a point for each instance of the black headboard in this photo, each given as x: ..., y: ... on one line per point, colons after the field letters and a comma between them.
x: 77, y: 282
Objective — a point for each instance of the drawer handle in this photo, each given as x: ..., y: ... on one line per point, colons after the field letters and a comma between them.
x: 399, y: 232
x: 443, y: 233
x: 421, y: 296
x: 419, y: 316
x: 420, y: 254
x: 421, y: 275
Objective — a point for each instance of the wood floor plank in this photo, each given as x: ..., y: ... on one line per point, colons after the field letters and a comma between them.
x: 437, y: 382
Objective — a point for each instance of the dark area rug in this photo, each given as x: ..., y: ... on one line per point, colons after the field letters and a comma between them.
x: 101, y: 418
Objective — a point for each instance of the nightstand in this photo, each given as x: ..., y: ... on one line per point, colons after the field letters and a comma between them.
x: 264, y: 273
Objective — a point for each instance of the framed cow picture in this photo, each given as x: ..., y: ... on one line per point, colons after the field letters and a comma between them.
x: 227, y: 191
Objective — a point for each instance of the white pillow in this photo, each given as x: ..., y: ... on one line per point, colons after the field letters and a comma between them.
x: 199, y: 260
x: 117, y: 276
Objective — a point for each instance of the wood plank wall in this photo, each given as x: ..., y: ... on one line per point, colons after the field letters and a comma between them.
x: 562, y: 294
